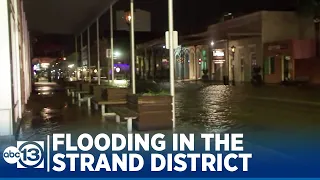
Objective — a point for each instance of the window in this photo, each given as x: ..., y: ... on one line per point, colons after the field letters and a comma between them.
x: 269, y: 66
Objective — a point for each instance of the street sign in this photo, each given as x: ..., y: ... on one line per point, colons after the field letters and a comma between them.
x: 175, y: 40
x: 108, y: 53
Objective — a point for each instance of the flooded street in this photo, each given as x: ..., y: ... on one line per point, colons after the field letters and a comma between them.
x: 267, y: 116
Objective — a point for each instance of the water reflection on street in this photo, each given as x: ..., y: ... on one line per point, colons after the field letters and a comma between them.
x: 258, y: 112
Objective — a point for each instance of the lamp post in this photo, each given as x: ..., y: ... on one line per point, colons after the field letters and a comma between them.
x: 130, y: 21
x: 233, y: 50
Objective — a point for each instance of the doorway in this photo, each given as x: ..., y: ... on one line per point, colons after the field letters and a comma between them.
x: 286, y: 67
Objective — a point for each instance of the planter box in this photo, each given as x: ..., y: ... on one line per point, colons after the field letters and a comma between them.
x: 85, y: 86
x: 155, y: 112
x: 113, y: 94
x: 98, y: 91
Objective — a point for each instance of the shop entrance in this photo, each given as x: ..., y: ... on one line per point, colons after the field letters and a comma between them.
x: 286, y: 66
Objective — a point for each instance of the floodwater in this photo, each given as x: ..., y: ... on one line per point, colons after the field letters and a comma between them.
x: 263, y: 114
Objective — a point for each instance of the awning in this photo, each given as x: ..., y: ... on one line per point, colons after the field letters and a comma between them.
x: 63, y: 16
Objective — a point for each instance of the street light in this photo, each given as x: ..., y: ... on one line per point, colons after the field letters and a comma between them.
x: 233, y: 50
x: 128, y: 17
x: 212, y: 43
x: 116, y: 54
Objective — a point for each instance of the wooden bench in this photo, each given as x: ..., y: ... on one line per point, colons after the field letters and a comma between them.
x: 78, y: 88
x: 69, y: 90
x: 87, y: 96
x: 125, y: 113
x: 103, y: 103
x: 85, y: 89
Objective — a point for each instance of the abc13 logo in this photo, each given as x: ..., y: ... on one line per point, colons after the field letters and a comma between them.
x: 26, y: 154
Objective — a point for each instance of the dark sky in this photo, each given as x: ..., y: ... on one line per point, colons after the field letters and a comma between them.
x: 195, y: 15
x: 190, y: 16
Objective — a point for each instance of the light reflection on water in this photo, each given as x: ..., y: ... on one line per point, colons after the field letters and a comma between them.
x: 207, y: 108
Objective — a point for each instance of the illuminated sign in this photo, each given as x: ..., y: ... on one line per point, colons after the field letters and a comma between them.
x: 219, y: 61
x: 218, y: 54
x: 277, y: 47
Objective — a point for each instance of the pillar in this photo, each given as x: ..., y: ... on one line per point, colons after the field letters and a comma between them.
x: 132, y: 40
x: 98, y: 52
x: 89, y: 54
x: 77, y: 56
x: 6, y: 109
x: 145, y: 63
x: 111, y: 44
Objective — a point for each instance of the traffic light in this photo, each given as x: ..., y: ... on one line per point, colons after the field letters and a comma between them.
x: 200, y: 61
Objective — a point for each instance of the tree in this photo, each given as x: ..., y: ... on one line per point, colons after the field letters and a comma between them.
x: 311, y: 8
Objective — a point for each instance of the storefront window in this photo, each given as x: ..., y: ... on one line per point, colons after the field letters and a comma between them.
x: 269, y: 65
x: 204, y: 63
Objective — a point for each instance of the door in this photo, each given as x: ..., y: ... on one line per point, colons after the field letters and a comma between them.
x: 286, y: 68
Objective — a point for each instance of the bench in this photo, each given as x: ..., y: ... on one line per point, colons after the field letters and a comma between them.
x: 125, y: 113
x: 69, y: 90
x: 103, y: 103
x: 79, y: 94
x: 85, y: 98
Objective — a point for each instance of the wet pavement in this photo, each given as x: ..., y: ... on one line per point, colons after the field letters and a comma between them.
x: 263, y: 114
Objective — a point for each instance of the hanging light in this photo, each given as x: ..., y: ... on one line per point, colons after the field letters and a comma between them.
x: 128, y: 16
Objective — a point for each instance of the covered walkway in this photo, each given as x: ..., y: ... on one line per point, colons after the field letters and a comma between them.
x: 19, y: 17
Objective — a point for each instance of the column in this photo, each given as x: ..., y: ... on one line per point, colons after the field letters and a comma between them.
x: 133, y: 61
x: 89, y: 54
x: 17, y: 65
x: 98, y: 53
x: 6, y: 127
x: 111, y: 44
x: 145, y: 63
x: 81, y: 55
x: 171, y: 55
x: 76, y: 58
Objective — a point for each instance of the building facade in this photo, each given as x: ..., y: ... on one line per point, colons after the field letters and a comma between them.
x: 234, y: 47
x: 15, y: 68
x: 249, y: 36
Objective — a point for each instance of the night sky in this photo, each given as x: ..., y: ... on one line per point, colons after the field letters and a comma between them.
x: 190, y: 16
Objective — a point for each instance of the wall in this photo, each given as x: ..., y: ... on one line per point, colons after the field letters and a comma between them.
x: 308, y: 68
x: 195, y: 53
x: 245, y: 48
x: 278, y: 26
x: 306, y: 27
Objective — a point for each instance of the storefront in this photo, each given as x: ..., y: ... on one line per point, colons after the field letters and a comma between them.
x: 280, y: 59
x: 278, y: 62
x: 217, y: 64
